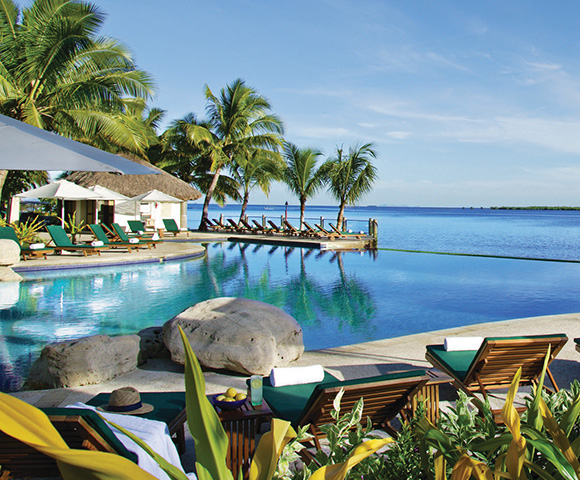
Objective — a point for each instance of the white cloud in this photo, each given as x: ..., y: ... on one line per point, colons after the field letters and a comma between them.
x: 398, y: 135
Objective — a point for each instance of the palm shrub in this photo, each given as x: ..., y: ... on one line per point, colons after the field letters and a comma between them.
x: 27, y: 232
x: 72, y: 227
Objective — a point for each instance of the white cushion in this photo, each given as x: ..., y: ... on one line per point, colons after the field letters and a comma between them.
x: 280, y: 377
x: 458, y: 344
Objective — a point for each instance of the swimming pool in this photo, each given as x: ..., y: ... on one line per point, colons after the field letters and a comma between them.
x: 338, y: 298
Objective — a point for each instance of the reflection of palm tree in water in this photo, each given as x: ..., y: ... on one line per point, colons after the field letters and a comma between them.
x: 350, y: 302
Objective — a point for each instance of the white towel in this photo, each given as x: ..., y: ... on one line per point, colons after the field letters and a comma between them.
x: 280, y: 377
x: 153, y: 433
x: 97, y: 243
x: 133, y: 240
x: 140, y: 232
x: 155, y: 236
x: 458, y: 344
x: 36, y: 246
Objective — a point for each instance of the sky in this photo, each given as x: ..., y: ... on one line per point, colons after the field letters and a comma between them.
x: 466, y: 103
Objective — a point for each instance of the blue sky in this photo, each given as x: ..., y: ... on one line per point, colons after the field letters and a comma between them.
x: 467, y: 103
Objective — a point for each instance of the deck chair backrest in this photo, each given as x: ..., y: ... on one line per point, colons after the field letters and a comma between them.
x: 384, y: 396
x: 275, y: 227
x: 136, y: 225
x: 59, y: 236
x: 8, y: 233
x: 99, y: 233
x: 499, y: 358
x: 120, y: 232
x: 80, y: 429
x: 170, y: 225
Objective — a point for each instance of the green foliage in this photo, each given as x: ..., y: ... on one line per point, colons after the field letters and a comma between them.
x: 27, y: 232
x: 72, y: 227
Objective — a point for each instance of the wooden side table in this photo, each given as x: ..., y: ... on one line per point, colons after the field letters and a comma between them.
x: 242, y: 426
x: 430, y: 394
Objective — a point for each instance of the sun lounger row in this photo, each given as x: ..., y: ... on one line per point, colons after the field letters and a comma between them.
x: 286, y: 229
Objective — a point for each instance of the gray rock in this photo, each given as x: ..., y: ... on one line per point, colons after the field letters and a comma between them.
x: 9, y: 253
x: 151, y: 345
x: 9, y: 275
x: 236, y: 334
x: 85, y: 361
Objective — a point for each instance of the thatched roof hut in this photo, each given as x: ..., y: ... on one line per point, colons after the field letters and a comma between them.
x: 133, y: 185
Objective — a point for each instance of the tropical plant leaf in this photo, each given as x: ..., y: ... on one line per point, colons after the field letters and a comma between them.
x: 211, y: 441
x: 31, y: 426
x: 517, y: 448
x: 269, y: 450
x: 555, y: 457
x: 339, y: 470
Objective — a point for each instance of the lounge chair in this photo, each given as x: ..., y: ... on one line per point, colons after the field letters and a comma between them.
x: 123, y: 237
x: 345, y: 234
x: 138, y: 229
x: 235, y: 226
x: 290, y: 229
x: 100, y: 234
x: 8, y: 233
x: 384, y: 396
x: 171, y: 227
x: 496, y: 362
x: 311, y: 231
x: 63, y: 244
x: 247, y: 227
x: 221, y: 225
x: 80, y: 429
x: 326, y: 233
x: 275, y: 228
x: 261, y: 228
x: 210, y: 225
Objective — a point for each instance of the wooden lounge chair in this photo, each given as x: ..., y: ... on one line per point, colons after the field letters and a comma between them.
x: 275, y: 228
x: 345, y: 234
x: 311, y: 231
x: 169, y: 409
x: 221, y: 225
x: 290, y: 229
x: 8, y: 233
x: 248, y: 228
x: 384, y: 397
x: 63, y: 244
x: 496, y: 362
x: 235, y: 226
x: 123, y: 237
x: 326, y: 233
x: 577, y: 342
x: 138, y: 229
x: 80, y: 428
x: 261, y: 228
x: 171, y: 227
x: 100, y: 234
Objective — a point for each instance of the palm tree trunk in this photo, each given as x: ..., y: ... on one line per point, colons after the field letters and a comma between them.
x: 302, y: 210
x: 208, y: 195
x: 340, y: 218
x: 3, y: 175
x: 245, y: 204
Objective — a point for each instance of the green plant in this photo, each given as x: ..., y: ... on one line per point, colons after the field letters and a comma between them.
x: 27, y: 231
x: 72, y: 227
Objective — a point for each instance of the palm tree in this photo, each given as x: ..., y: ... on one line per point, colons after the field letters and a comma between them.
x: 183, y: 157
x: 351, y: 176
x: 238, y: 123
x: 301, y: 175
x: 57, y: 74
x: 257, y: 170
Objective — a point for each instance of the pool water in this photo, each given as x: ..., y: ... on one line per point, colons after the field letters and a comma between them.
x: 338, y: 298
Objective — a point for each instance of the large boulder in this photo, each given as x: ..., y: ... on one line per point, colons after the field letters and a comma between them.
x: 9, y: 253
x: 84, y: 361
x: 236, y: 334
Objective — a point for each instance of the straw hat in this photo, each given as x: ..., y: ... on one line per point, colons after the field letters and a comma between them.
x: 126, y: 401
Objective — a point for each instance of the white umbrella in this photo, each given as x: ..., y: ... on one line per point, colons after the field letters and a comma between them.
x: 107, y: 193
x: 62, y: 190
x: 25, y: 147
x: 155, y: 196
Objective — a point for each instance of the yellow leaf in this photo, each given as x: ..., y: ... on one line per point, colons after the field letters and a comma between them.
x: 269, y: 450
x: 517, y: 448
x: 339, y: 471
x: 466, y: 467
x: 440, y: 466
x: 31, y: 426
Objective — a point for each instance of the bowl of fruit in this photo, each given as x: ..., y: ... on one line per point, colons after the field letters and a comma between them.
x: 230, y: 400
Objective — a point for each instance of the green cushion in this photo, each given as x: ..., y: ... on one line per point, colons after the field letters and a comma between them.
x: 167, y: 404
x: 577, y: 340
x: 100, y: 426
x: 523, y: 337
x: 170, y: 225
x: 288, y: 402
x: 8, y: 233
x: 456, y: 363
